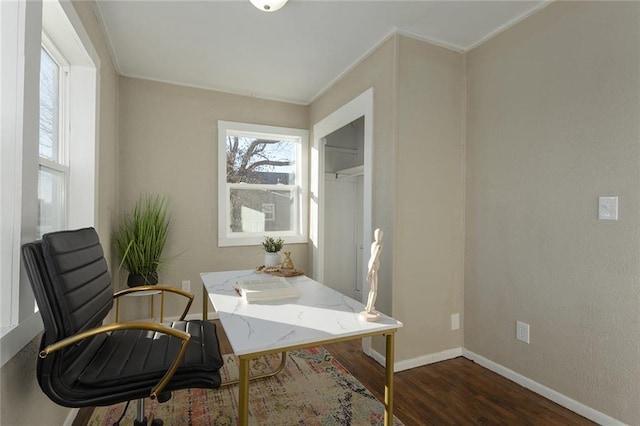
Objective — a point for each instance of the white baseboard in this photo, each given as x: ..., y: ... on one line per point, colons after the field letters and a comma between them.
x: 548, y: 393
x: 428, y: 359
x: 419, y: 361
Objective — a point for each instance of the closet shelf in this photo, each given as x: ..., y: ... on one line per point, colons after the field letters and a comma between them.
x: 351, y: 171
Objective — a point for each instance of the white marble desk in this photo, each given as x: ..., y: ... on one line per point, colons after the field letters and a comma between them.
x: 320, y: 315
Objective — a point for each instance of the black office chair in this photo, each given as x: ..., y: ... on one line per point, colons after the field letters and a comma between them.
x: 85, y: 363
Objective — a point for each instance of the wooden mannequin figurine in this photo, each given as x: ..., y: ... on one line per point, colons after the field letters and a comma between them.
x: 370, y: 313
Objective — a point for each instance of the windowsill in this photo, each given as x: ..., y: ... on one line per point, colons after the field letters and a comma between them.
x: 14, y: 338
x: 6, y: 330
x: 257, y: 239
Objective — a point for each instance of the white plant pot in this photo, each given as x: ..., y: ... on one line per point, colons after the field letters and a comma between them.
x: 272, y: 259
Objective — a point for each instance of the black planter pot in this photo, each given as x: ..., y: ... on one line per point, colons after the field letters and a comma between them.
x: 135, y: 280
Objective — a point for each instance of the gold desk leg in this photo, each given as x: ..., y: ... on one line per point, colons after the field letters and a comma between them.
x: 278, y: 369
x: 205, y: 305
x: 243, y: 393
x: 388, y: 387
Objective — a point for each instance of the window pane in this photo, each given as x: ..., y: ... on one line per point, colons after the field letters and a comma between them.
x: 51, y: 207
x: 260, y: 160
x: 262, y: 185
x: 255, y: 210
x: 49, y: 107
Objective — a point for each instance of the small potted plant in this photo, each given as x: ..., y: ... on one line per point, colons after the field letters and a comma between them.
x: 140, y: 239
x: 272, y: 248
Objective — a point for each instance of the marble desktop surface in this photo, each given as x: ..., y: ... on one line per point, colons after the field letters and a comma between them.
x: 318, y: 315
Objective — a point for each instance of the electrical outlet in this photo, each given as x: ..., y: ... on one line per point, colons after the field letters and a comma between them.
x: 186, y: 285
x: 455, y: 322
x: 608, y: 208
x: 522, y: 331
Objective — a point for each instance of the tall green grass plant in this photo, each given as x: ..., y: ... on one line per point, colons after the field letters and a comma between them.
x: 142, y: 235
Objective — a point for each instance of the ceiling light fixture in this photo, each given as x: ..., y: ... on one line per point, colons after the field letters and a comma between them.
x: 268, y: 5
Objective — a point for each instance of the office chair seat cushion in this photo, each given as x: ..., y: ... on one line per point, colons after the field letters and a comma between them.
x: 144, y: 356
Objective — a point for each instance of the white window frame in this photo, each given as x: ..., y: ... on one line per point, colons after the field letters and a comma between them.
x: 21, y: 25
x: 300, y: 189
x: 12, y: 101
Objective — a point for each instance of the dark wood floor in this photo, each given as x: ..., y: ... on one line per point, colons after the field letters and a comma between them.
x: 452, y: 392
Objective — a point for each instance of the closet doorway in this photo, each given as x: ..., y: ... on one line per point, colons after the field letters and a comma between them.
x: 341, y: 188
x: 343, y: 202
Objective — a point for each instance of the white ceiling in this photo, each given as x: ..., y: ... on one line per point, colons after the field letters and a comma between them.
x: 293, y: 54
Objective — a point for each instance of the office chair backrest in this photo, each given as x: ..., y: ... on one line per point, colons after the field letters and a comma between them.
x: 73, y: 287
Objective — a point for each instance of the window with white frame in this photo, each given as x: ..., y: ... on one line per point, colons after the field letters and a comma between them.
x: 42, y: 136
x: 262, y: 190
x: 53, y: 170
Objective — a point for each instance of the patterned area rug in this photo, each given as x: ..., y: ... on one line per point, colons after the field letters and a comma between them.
x: 313, y: 389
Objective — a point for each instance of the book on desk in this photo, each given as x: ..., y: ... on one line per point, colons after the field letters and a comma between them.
x: 265, y: 289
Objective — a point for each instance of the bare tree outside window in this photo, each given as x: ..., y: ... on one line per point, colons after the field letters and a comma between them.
x: 49, y: 106
x: 252, y: 160
x: 52, y: 173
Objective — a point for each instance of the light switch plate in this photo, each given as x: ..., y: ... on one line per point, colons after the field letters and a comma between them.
x: 608, y: 208
x: 522, y: 331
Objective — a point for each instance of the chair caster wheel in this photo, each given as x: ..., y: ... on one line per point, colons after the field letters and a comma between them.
x: 154, y: 422
x: 164, y: 396
x: 142, y: 422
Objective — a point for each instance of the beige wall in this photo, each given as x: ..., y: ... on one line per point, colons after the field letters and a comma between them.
x: 418, y: 161
x: 168, y: 145
x: 22, y: 401
x: 428, y: 218
x: 553, y: 107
